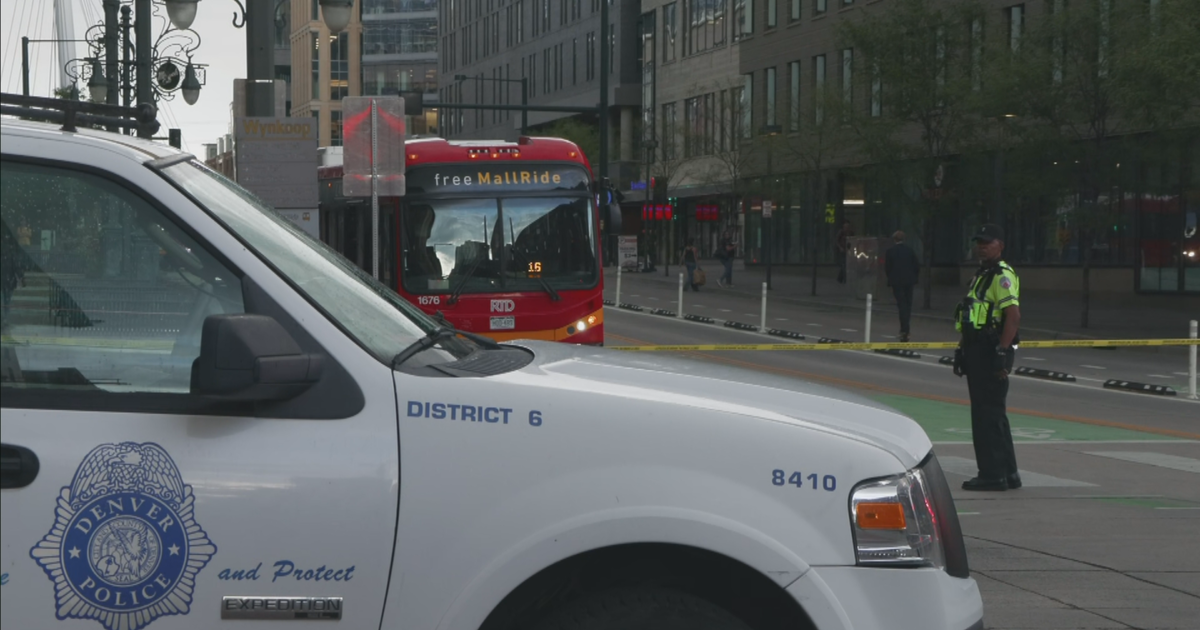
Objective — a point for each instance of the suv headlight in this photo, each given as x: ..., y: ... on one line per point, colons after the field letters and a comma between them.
x: 908, y: 520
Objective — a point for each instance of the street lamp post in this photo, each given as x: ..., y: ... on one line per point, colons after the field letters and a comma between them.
x: 524, y: 94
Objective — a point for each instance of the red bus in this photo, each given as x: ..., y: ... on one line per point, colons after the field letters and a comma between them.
x: 499, y: 238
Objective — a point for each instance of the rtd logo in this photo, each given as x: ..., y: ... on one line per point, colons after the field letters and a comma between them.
x: 503, y: 306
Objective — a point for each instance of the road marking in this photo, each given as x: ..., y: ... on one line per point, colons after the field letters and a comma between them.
x: 1094, y: 367
x: 781, y: 319
x: 1032, y: 359
x: 723, y: 310
x: 967, y: 468
x: 1181, y: 373
x: 968, y: 513
x: 889, y: 336
x: 1157, y: 376
x: 817, y: 325
x: 652, y: 298
x: 1174, y: 462
x: 849, y: 330
x: 1177, y: 508
x: 752, y: 314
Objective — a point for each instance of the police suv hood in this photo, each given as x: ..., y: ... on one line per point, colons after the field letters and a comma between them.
x: 734, y: 391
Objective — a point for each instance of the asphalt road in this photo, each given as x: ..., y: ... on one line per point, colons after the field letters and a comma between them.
x: 1103, y: 535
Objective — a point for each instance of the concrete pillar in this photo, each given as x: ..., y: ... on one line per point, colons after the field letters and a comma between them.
x: 627, y: 134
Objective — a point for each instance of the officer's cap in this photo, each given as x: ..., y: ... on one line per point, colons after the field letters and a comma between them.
x: 988, y: 232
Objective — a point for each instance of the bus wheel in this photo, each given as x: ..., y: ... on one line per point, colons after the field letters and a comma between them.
x: 640, y: 609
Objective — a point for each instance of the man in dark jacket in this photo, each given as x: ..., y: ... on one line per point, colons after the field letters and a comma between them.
x: 900, y: 263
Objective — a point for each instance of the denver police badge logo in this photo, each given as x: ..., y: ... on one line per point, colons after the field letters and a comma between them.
x: 125, y: 547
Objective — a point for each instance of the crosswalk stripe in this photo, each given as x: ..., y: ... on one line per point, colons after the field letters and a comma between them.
x: 1162, y: 460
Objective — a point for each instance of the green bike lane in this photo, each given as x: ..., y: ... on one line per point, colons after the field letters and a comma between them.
x: 951, y: 422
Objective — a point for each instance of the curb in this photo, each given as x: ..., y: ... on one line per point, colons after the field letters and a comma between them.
x: 630, y: 307
x: 1045, y: 374
x: 831, y: 340
x: 1141, y: 388
x: 664, y: 312
x: 700, y: 318
x: 729, y: 323
x: 608, y: 302
x: 946, y: 360
x: 785, y: 333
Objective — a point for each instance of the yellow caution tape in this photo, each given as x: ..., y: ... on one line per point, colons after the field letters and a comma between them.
x: 935, y: 345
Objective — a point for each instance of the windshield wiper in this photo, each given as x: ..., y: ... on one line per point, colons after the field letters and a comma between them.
x: 433, y: 337
x: 554, y: 297
x: 430, y: 340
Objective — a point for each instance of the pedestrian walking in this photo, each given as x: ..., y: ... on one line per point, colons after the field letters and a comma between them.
x: 726, y: 253
x: 843, y: 246
x: 900, y: 264
x: 988, y: 319
x: 690, y: 258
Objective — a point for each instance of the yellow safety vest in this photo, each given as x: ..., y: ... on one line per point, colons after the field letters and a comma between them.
x: 993, y: 289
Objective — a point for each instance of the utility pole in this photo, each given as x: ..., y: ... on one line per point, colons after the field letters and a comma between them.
x: 260, y: 61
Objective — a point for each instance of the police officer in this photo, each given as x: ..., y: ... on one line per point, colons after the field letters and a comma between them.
x: 988, y: 319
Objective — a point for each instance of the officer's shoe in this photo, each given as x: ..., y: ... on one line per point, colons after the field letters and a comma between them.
x: 985, y: 484
x: 1014, y: 481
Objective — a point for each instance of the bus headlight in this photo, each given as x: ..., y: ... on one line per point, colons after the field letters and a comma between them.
x: 908, y: 520
x: 580, y: 326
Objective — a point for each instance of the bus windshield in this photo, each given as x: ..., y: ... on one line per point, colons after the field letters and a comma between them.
x: 498, y: 244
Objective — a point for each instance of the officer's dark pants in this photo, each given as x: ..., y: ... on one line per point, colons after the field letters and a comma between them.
x: 994, y: 452
x: 904, y: 297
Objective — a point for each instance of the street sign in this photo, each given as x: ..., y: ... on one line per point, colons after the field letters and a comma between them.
x: 766, y: 208
x: 386, y: 159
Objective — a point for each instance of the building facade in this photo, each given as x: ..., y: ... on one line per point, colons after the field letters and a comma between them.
x: 492, y: 49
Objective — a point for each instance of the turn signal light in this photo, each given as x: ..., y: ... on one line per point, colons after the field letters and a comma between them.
x: 591, y: 320
x: 881, y: 516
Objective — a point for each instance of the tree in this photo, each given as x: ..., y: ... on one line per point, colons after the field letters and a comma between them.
x: 585, y: 134
x: 827, y: 128
x: 1085, y: 81
x: 916, y: 57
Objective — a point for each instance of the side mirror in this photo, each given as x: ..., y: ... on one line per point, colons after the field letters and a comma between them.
x: 251, y: 357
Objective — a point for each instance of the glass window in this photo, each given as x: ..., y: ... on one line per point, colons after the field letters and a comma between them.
x: 668, y: 33
x: 1016, y: 26
x: 669, y: 130
x: 747, y: 105
x: 339, y: 66
x: 101, y: 290
x: 772, y: 13
x: 316, y: 66
x: 489, y: 245
x: 819, y: 93
x: 400, y: 37
x: 819, y: 7
x: 794, y: 15
x: 770, y: 95
x: 381, y: 321
x: 848, y: 77
x: 794, y: 100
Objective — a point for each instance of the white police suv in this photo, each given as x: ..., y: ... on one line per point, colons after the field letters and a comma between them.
x: 212, y: 420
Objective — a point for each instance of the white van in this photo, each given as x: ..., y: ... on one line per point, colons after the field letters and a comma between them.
x: 210, y: 419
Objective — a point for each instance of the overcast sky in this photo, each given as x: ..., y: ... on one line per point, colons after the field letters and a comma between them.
x: 222, y: 48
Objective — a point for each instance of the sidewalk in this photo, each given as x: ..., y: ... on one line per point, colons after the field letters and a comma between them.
x: 1044, y: 314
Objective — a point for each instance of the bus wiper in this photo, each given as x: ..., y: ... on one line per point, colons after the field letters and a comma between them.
x: 462, y: 284
x: 554, y: 296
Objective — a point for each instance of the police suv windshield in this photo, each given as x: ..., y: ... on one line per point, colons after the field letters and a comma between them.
x: 381, y: 321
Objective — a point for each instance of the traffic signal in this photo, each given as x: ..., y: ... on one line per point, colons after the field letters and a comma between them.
x: 660, y: 189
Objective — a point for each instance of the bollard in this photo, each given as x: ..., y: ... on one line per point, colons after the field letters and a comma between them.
x: 618, y: 300
x: 867, y: 332
x: 681, y: 296
x: 763, y: 325
x: 1192, y: 364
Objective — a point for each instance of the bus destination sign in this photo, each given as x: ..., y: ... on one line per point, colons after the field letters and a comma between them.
x: 495, y: 178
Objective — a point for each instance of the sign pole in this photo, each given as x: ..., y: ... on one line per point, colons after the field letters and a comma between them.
x: 374, y: 191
